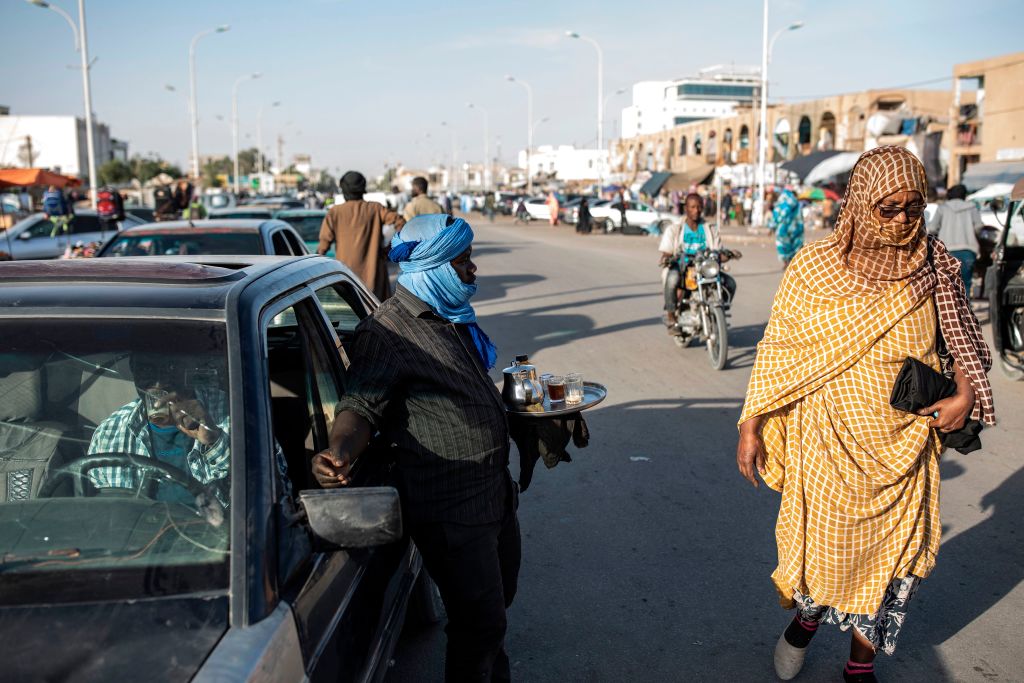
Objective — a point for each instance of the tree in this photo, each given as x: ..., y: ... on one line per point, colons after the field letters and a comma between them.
x: 114, y: 172
x: 326, y: 183
x: 247, y: 161
x: 220, y: 166
x: 145, y: 168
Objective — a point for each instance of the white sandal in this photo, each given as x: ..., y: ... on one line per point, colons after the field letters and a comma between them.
x: 788, y: 659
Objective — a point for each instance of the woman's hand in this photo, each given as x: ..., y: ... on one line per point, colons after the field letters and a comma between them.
x: 750, y: 452
x: 950, y: 414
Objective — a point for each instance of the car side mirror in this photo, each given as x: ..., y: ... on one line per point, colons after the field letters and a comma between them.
x: 361, y: 517
x: 25, y: 235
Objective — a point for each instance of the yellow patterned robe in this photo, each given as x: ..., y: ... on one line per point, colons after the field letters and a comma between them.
x: 859, y: 479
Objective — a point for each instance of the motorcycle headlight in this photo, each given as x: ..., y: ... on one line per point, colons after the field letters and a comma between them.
x: 709, y: 269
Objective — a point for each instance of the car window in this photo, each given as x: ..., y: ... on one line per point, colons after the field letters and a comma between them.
x: 128, y: 244
x: 342, y: 306
x: 307, y: 226
x: 116, y: 439
x: 84, y: 224
x: 293, y: 243
x: 280, y: 246
x: 41, y: 228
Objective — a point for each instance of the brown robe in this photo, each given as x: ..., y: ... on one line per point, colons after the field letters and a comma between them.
x: 355, y: 229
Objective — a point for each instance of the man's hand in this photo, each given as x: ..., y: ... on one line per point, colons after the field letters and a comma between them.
x: 330, y: 470
x: 750, y: 452
x: 190, y: 417
x: 665, y: 261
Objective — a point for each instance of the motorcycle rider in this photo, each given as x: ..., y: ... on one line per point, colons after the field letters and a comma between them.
x: 679, y: 244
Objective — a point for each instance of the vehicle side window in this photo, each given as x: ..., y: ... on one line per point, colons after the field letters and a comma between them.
x: 82, y: 224
x: 42, y: 228
x: 342, y: 306
x: 279, y: 244
x: 293, y: 242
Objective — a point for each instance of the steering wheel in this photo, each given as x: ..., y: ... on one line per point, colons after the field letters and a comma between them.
x: 147, y: 468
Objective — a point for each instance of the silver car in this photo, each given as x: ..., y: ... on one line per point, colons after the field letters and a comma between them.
x: 33, y: 238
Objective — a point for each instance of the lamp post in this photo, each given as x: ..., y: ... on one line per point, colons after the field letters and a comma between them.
x: 193, y: 105
x: 529, y: 129
x: 454, y: 180
x: 82, y: 46
x: 260, y: 158
x: 234, y: 119
x: 762, y: 151
x: 487, y: 169
x: 600, y: 101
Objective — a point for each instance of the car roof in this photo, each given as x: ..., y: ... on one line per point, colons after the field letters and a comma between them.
x: 197, y: 286
x: 207, y: 225
x: 295, y: 213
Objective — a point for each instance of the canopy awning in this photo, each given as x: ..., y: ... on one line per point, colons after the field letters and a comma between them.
x: 681, y: 182
x: 802, y: 166
x: 27, y: 177
x: 986, y: 173
x: 654, y: 183
x: 833, y: 166
x: 991, y: 192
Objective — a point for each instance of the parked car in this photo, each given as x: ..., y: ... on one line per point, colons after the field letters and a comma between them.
x: 537, y: 209
x: 211, y: 236
x: 242, y: 570
x: 638, y: 216
x: 1004, y: 286
x: 33, y: 238
x: 251, y: 212
x: 307, y: 223
x: 219, y: 200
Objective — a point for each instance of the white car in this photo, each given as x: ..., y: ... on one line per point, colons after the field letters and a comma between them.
x: 638, y: 215
x: 537, y: 209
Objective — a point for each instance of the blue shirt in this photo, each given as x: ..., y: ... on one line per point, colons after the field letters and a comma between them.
x: 694, y: 240
x: 171, y: 445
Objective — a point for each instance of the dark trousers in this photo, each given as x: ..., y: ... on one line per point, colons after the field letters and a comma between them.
x: 476, y: 569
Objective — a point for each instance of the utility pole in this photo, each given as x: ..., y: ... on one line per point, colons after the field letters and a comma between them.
x: 280, y: 153
x: 28, y: 151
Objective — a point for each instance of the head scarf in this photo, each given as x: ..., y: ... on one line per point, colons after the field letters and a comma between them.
x: 879, y: 249
x: 353, y: 185
x: 424, y: 249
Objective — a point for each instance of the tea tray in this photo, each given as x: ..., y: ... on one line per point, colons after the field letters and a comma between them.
x: 593, y: 393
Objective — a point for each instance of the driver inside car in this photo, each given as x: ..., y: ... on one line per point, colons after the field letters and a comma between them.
x: 178, y: 418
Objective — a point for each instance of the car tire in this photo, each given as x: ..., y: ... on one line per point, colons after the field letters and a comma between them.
x: 608, y: 225
x: 425, y: 605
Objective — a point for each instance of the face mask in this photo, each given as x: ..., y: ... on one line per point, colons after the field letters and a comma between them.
x: 894, y: 234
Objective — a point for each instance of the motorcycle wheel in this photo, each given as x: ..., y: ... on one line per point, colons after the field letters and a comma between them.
x: 718, y: 344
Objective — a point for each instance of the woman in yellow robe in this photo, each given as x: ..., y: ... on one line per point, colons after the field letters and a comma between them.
x: 858, y: 526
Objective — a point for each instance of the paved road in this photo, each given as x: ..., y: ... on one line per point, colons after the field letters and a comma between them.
x: 648, y: 558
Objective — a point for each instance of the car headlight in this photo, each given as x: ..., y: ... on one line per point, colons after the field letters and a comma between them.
x: 709, y: 269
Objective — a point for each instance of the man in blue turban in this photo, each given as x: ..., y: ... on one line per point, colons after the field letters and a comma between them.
x: 417, y: 393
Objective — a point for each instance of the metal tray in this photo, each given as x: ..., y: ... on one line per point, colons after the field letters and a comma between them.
x: 593, y: 393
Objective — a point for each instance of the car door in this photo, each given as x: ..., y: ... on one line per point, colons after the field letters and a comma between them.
x: 35, y: 242
x: 639, y: 213
x: 337, y: 597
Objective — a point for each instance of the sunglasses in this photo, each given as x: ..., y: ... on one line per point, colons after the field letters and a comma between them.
x: 912, y: 211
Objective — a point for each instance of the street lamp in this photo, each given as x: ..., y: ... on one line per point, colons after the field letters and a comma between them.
x: 600, y: 85
x: 454, y: 180
x: 193, y: 106
x: 260, y: 157
x: 762, y: 151
x: 488, y: 171
x: 82, y: 46
x: 234, y: 117
x: 529, y: 129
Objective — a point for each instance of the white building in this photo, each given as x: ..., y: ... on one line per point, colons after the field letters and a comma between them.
x: 565, y: 162
x: 714, y: 92
x: 56, y: 143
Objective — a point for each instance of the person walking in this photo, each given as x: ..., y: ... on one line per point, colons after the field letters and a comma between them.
x: 421, y: 204
x: 182, y: 196
x: 858, y: 527
x: 418, y: 380
x: 355, y: 228
x: 489, y: 206
x: 727, y: 208
x: 522, y: 215
x: 583, y: 217
x: 788, y: 225
x: 553, y: 208
x: 956, y: 223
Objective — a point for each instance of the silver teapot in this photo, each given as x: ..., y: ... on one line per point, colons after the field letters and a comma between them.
x: 521, y: 387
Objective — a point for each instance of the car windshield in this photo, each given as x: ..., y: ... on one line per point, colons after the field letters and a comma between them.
x: 308, y: 227
x: 185, y: 244
x: 241, y: 213
x: 115, y: 441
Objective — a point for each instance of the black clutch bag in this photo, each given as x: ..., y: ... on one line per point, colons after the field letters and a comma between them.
x: 919, y: 386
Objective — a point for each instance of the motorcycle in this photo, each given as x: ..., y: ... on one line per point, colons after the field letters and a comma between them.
x: 703, y: 314
x: 1004, y: 287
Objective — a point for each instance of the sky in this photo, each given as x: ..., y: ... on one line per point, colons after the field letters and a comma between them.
x: 367, y: 83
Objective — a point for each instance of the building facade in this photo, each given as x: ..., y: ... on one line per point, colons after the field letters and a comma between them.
x: 853, y: 122
x: 715, y: 92
x: 56, y: 143
x: 986, y: 118
x: 564, y: 162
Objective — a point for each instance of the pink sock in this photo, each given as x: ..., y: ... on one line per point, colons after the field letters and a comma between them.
x: 853, y: 668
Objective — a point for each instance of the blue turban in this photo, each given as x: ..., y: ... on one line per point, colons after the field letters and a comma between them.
x: 424, y: 249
